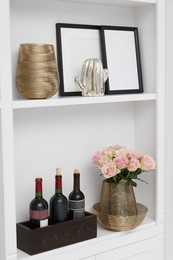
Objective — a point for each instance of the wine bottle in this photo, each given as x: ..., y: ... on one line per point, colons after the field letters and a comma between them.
x: 38, y: 207
x: 76, y: 198
x: 58, y: 202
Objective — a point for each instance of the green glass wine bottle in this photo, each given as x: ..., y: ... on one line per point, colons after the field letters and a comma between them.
x: 76, y: 198
x: 38, y: 207
x: 58, y: 202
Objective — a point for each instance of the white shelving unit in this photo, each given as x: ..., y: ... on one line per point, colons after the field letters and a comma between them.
x: 39, y: 135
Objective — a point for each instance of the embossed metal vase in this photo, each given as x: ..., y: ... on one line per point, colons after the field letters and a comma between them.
x: 118, y: 199
x: 117, y: 209
x: 37, y: 73
x: 93, y: 77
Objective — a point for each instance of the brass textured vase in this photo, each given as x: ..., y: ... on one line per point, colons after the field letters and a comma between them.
x: 117, y: 209
x: 37, y: 73
x: 118, y: 199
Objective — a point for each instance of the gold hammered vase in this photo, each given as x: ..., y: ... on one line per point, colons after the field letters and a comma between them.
x: 37, y: 74
x: 118, y: 199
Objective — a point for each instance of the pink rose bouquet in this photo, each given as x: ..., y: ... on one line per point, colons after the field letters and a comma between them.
x: 120, y: 165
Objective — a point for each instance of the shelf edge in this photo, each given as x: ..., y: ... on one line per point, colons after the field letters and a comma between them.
x: 130, y: 3
x: 81, y: 101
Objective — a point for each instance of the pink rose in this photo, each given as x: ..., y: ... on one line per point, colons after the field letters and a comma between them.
x: 104, y: 159
x: 134, y: 154
x: 108, y: 151
x: 133, y: 165
x: 109, y: 170
x: 118, y: 147
x: 147, y: 163
x: 96, y: 157
x: 120, y: 150
x: 121, y: 162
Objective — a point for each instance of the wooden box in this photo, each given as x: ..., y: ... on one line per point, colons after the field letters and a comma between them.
x: 34, y: 241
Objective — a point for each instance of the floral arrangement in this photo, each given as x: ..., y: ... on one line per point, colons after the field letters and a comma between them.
x: 120, y: 165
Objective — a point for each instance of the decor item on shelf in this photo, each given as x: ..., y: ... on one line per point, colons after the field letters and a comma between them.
x: 93, y: 77
x: 35, y: 241
x: 38, y: 208
x: 120, y: 165
x: 117, y: 223
x: 75, y: 43
x: 76, y: 198
x: 58, y: 202
x: 117, y: 209
x: 121, y: 56
x: 121, y: 197
x: 37, y: 75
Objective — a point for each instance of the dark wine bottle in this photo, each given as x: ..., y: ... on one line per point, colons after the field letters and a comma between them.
x: 76, y: 198
x: 58, y: 202
x: 38, y: 207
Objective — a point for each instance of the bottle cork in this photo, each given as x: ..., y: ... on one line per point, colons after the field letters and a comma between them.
x: 58, y: 171
x: 76, y: 171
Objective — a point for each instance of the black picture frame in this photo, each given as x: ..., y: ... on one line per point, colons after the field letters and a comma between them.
x: 63, y: 45
x: 117, y: 42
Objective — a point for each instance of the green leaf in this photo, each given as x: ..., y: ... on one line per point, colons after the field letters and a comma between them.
x: 122, y: 181
x: 133, y: 183
x: 142, y: 180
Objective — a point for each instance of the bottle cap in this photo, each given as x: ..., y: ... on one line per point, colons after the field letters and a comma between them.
x: 76, y: 170
x: 58, y: 171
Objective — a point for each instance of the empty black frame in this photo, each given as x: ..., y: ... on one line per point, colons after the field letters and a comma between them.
x: 121, y: 55
x: 63, y: 54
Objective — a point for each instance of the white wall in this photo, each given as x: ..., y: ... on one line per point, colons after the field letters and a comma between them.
x: 169, y: 133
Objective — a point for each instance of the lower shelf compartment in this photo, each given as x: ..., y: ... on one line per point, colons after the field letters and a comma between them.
x: 34, y: 241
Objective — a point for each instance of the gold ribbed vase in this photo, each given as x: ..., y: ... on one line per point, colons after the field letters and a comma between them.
x: 37, y: 74
x: 118, y: 199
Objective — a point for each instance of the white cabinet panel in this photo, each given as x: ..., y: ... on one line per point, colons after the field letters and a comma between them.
x: 146, y: 250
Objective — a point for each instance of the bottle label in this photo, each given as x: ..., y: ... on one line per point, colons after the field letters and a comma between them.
x: 39, y: 214
x: 78, y: 207
x: 79, y: 214
x: 44, y: 222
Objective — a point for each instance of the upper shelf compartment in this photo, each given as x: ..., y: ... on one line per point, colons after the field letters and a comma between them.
x: 133, y: 13
x: 115, y: 2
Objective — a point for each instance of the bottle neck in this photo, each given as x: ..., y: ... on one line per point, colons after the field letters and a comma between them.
x: 76, y: 182
x: 38, y: 188
x: 58, y: 184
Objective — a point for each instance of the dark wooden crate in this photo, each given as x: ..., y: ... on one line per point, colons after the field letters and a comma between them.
x: 34, y: 241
